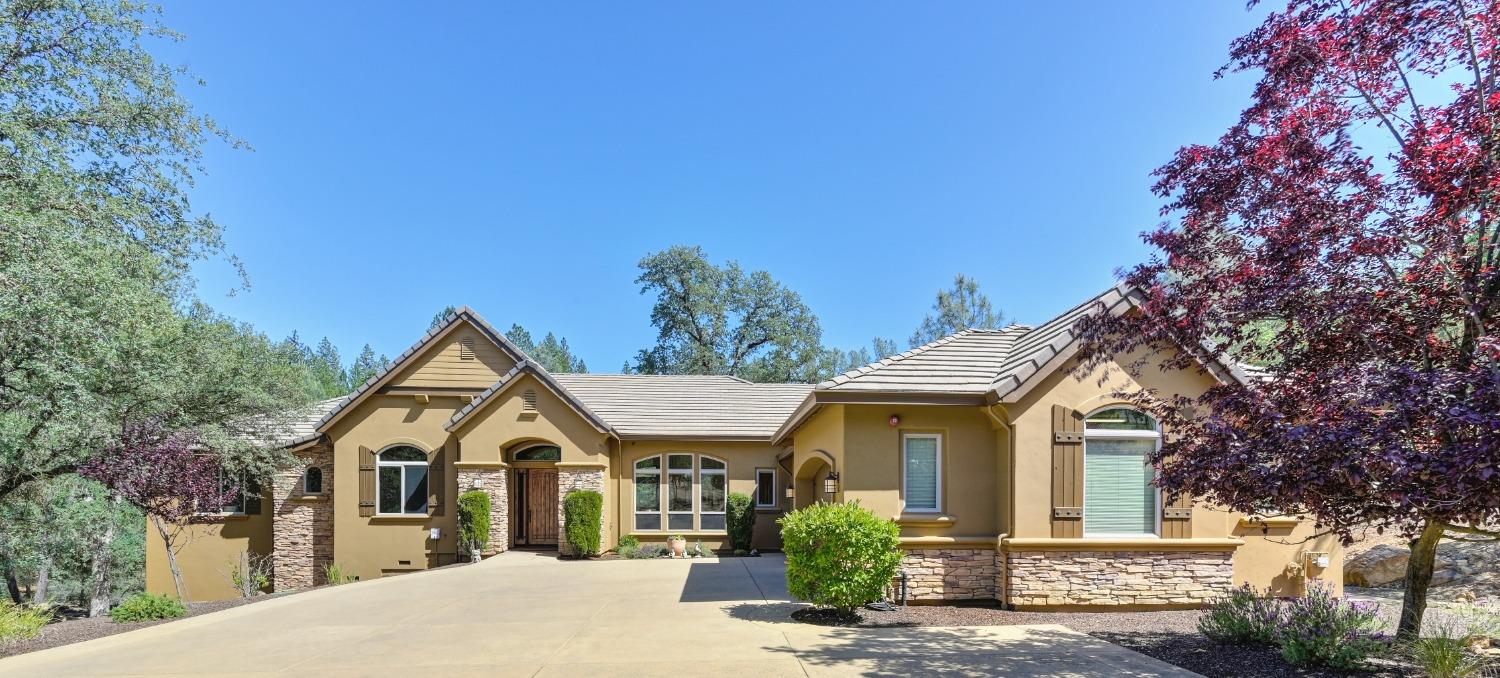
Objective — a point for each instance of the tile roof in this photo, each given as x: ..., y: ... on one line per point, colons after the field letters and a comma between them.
x: 296, y: 427
x: 965, y: 362
x: 542, y: 375
x: 686, y: 406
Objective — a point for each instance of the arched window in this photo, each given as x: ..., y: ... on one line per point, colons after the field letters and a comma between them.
x: 401, y: 480
x: 539, y: 453
x: 689, y: 508
x: 712, y: 493
x: 648, y: 494
x: 1119, y: 499
x: 312, y: 480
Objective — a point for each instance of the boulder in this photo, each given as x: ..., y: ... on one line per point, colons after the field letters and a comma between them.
x: 1382, y: 565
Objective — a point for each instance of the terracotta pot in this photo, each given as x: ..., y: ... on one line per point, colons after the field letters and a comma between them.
x: 678, y: 546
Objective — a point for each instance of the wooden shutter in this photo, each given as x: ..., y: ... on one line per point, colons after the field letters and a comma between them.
x: 1067, y: 473
x: 252, y: 497
x: 1176, y: 514
x: 437, y: 482
x: 366, y: 482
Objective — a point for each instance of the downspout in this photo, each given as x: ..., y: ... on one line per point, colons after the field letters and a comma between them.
x: 1008, y: 521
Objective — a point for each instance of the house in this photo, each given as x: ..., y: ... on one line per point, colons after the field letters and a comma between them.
x: 1012, y: 480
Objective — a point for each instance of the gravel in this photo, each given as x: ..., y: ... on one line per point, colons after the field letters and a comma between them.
x: 1169, y: 635
x: 77, y: 630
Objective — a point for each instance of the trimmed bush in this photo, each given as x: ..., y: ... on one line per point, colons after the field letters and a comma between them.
x: 741, y: 521
x: 839, y: 555
x: 1244, y: 617
x: 474, y: 520
x: 628, y: 542
x: 583, y: 513
x: 19, y: 622
x: 1321, y: 629
x: 147, y: 606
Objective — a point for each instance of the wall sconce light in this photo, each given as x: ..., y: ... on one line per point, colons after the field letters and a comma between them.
x: 791, y: 493
x: 831, y: 483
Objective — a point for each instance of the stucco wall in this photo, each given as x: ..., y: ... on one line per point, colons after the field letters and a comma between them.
x: 1275, y: 552
x: 742, y: 459
x: 207, y: 558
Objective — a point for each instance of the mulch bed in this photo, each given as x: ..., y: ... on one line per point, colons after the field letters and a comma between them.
x: 1169, y: 635
x: 73, y: 628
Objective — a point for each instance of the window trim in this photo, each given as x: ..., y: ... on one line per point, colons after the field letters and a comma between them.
x: 774, y: 484
x: 698, y: 494
x: 1120, y: 434
x: 938, y: 475
x: 692, y: 475
x: 636, y: 467
x: 426, y: 465
x: 308, y: 471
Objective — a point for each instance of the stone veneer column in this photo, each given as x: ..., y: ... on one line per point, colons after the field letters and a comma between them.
x: 582, y: 477
x: 1110, y: 578
x: 301, y: 524
x: 950, y: 573
x: 494, y: 481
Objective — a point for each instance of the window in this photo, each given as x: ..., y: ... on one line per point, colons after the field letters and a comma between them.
x: 1119, y: 498
x: 401, y: 481
x: 648, y: 494
x: 679, y: 492
x: 312, y: 480
x: 765, y: 488
x: 234, y: 485
x: 540, y: 453
x: 712, y: 493
x: 922, y: 463
x: 694, y: 487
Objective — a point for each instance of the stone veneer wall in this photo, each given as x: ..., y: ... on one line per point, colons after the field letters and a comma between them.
x: 569, y: 479
x: 950, y: 574
x: 1118, y: 577
x: 493, y: 481
x: 302, y: 525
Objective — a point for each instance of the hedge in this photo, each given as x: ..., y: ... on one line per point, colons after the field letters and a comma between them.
x: 583, y: 514
x: 474, y: 519
x: 741, y: 519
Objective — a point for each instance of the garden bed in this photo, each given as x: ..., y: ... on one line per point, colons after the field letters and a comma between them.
x: 1169, y: 635
x: 75, y: 628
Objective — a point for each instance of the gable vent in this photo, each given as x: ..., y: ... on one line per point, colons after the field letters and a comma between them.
x: 528, y: 401
x: 466, y: 348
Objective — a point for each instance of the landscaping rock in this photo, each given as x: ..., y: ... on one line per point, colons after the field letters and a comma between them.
x: 1382, y: 565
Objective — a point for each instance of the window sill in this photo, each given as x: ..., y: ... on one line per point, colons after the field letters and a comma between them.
x: 926, y: 520
x: 1120, y: 544
x: 224, y: 516
x: 1279, y: 521
x: 399, y: 518
x: 768, y: 509
x: 686, y: 533
x: 309, y: 498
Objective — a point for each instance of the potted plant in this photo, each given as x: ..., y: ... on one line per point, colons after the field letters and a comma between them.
x: 678, y: 545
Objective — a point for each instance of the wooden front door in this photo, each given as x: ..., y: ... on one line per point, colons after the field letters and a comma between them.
x: 536, y: 507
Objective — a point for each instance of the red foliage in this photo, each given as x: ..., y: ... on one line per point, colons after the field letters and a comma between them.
x: 168, y: 474
x: 1364, y: 277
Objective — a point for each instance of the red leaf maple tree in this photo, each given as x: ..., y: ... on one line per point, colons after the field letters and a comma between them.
x: 1342, y: 234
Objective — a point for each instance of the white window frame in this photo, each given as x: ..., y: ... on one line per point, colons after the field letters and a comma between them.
x: 775, y: 484
x: 1119, y: 434
x: 660, y: 495
x: 905, y: 507
x: 692, y: 474
x: 321, y: 479
x: 426, y: 464
x: 698, y: 494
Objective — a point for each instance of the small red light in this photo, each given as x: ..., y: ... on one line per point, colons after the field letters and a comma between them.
x: 895, y: 420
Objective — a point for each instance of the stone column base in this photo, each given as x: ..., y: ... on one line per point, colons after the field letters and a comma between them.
x: 568, y: 480
x: 1115, y: 578
x: 494, y: 482
x: 950, y: 574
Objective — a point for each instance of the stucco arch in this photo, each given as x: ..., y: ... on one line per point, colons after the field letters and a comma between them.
x: 809, y: 478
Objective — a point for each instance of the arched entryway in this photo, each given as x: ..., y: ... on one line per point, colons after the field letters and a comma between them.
x: 809, y: 478
x: 533, y: 494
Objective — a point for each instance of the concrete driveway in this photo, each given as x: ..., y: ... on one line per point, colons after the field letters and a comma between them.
x: 526, y: 614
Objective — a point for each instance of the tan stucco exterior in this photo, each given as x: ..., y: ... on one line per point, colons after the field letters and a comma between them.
x: 992, y: 537
x: 209, y: 553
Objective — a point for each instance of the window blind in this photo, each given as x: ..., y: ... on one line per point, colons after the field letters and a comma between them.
x: 922, y: 473
x: 1118, y: 495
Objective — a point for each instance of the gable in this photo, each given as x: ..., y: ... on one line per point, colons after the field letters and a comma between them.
x: 465, y: 358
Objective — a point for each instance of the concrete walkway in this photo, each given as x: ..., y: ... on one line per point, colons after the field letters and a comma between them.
x: 525, y: 614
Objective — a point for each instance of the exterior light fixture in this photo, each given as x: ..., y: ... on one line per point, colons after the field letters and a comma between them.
x: 895, y: 420
x: 831, y: 483
x: 791, y: 493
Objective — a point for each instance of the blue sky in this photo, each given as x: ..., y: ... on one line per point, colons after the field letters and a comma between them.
x: 521, y: 158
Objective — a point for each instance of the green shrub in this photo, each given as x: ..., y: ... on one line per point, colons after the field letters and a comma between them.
x: 642, y: 551
x: 1446, y: 654
x: 839, y: 555
x: 583, y: 511
x: 19, y: 622
x: 147, y: 606
x: 1321, y: 629
x: 1244, y: 616
x: 474, y: 520
x: 335, y: 575
x: 628, y: 542
x: 740, y: 520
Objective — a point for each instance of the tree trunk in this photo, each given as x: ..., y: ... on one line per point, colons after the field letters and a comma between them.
x: 171, y: 549
x: 12, y: 584
x: 43, y: 581
x: 1418, y: 578
x: 99, y: 597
